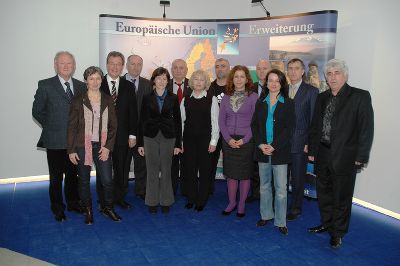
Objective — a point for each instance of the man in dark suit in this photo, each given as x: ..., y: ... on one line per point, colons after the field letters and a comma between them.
x: 178, y: 85
x: 124, y: 96
x: 304, y: 97
x: 340, y: 141
x: 217, y: 89
x: 259, y: 87
x: 142, y: 86
x: 51, y: 109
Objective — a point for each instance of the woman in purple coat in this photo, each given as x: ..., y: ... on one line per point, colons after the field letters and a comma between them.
x: 236, y: 111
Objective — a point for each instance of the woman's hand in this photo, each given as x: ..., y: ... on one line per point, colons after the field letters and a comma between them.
x: 239, y: 142
x: 232, y: 144
x: 211, y: 148
x: 269, y: 149
x: 74, y: 158
x: 103, y: 154
x: 141, y: 151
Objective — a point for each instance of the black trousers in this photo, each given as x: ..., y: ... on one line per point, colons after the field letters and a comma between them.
x: 297, y: 172
x: 120, y: 179
x: 177, y: 170
x: 139, y: 170
x: 197, y: 160
x: 214, y: 162
x: 335, y: 193
x: 59, y: 164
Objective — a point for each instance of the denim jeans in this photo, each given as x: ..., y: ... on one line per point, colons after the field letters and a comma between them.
x: 280, y: 182
x: 103, y: 170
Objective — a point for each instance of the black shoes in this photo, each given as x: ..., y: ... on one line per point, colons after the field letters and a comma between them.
x: 318, y: 229
x: 335, y: 242
x: 283, y: 230
x: 292, y: 216
x: 123, y: 204
x: 199, y: 208
x: 225, y: 213
x: 240, y: 215
x: 60, y: 217
x: 165, y: 209
x: 88, y: 216
x: 189, y: 205
x: 108, y: 211
x: 153, y: 209
x: 261, y: 223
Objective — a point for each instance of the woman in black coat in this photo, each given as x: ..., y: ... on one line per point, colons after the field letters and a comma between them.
x: 160, y: 137
x: 272, y: 127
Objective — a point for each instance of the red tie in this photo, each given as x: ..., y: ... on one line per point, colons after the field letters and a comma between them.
x: 179, y: 92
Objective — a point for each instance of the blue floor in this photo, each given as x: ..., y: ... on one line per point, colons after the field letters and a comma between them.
x: 185, y: 237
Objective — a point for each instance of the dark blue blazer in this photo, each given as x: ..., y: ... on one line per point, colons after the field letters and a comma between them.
x: 51, y: 108
x: 145, y: 87
x: 304, y: 102
x: 125, y: 109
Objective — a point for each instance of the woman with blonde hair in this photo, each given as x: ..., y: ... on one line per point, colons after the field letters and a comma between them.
x: 199, y: 113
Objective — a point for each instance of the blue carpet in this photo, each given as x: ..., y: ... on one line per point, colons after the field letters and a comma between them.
x: 185, y: 237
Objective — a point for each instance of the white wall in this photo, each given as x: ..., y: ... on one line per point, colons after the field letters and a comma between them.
x: 33, y: 31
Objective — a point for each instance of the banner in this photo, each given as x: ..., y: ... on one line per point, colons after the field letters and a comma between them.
x: 308, y: 36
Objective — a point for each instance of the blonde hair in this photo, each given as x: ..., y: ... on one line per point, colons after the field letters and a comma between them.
x: 203, y: 75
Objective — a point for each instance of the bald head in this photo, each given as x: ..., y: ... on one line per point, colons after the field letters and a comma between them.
x: 262, y: 68
x: 134, y: 65
x: 179, y: 70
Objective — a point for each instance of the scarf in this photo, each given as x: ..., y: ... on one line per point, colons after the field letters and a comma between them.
x: 237, y: 100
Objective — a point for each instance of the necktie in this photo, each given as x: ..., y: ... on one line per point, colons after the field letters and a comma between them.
x: 69, y: 93
x: 292, y: 91
x: 179, y: 93
x: 134, y: 84
x: 113, y: 91
x: 260, y: 89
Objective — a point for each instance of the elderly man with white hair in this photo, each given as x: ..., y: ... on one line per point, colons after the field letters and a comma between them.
x: 340, y: 141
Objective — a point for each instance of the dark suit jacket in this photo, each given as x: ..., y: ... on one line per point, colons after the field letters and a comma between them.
x: 50, y: 108
x: 284, y: 123
x: 186, y: 90
x: 168, y: 121
x: 263, y: 92
x: 125, y: 109
x: 76, y: 123
x: 304, y: 102
x: 352, y: 128
x: 145, y: 87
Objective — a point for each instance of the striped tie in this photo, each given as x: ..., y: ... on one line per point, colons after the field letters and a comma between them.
x: 114, y: 91
x: 68, y: 91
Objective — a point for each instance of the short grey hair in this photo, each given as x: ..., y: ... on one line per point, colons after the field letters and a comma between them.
x: 337, y: 64
x: 92, y: 70
x: 58, y: 54
x: 202, y: 74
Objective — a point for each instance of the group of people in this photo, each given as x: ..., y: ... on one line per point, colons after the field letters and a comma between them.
x: 175, y: 128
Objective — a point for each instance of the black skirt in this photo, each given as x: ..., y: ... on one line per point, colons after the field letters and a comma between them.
x: 238, y: 163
